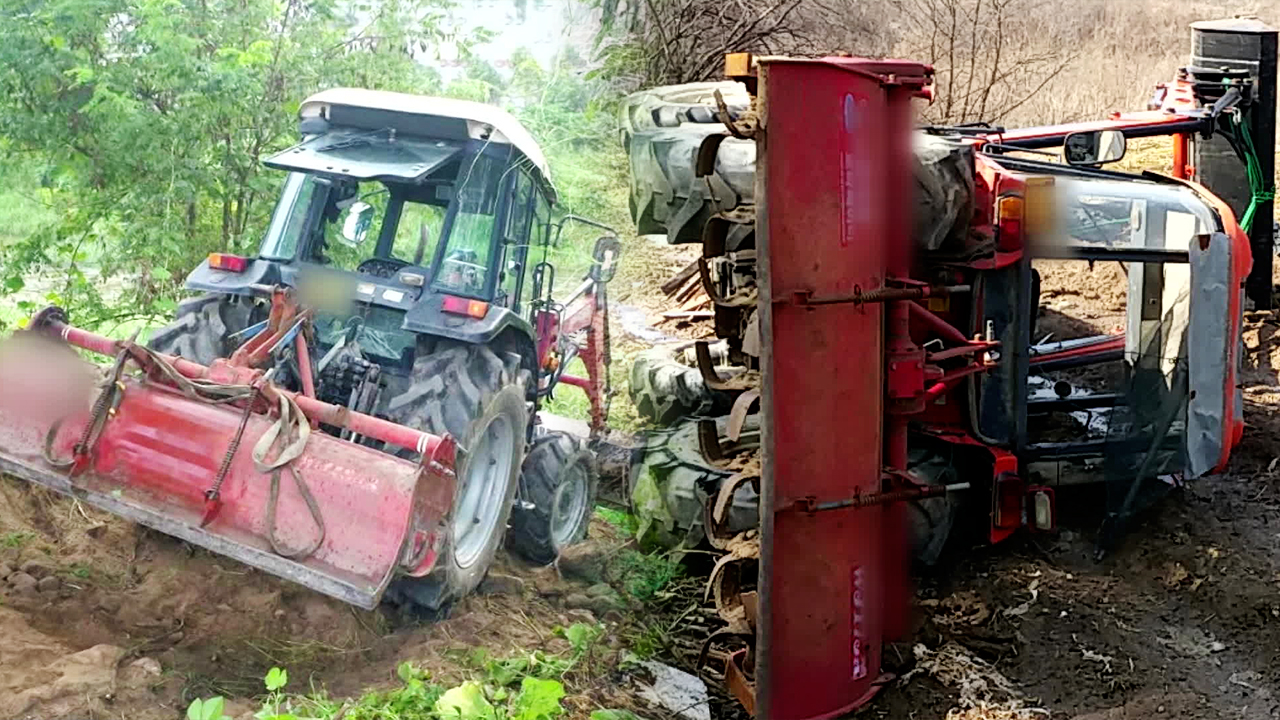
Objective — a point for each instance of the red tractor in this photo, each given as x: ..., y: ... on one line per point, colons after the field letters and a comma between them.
x: 904, y: 388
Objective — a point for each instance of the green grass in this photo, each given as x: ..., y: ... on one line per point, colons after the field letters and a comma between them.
x: 525, y: 686
x: 624, y: 522
x: 645, y: 575
x: 15, y: 539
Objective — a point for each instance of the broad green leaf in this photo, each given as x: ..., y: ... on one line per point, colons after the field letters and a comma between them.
x: 212, y: 709
x: 276, y: 679
x: 580, y: 635
x: 195, y: 711
x: 466, y: 702
x: 614, y: 715
x: 538, y: 700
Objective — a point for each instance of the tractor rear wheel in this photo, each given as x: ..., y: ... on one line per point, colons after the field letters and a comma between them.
x: 557, y: 495
x: 665, y: 390
x: 202, y: 327
x: 478, y: 397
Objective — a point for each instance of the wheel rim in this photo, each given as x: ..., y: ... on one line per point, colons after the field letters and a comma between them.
x: 483, y: 491
x: 569, y: 506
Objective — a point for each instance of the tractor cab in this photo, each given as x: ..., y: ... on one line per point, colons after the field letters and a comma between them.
x: 402, y: 203
x: 403, y: 216
x: 425, y: 192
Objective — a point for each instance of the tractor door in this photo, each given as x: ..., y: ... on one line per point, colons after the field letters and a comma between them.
x: 515, y: 242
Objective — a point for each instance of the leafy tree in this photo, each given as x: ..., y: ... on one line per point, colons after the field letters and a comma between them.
x: 153, y: 116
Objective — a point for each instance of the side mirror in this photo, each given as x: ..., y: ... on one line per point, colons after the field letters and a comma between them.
x: 605, y: 258
x: 356, y: 226
x: 1094, y: 147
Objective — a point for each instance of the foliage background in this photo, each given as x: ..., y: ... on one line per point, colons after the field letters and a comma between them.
x: 132, y: 131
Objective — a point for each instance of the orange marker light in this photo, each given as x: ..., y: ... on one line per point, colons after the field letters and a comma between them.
x: 230, y: 263
x: 463, y: 306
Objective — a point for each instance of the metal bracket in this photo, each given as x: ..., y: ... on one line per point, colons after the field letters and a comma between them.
x: 706, y: 367
x: 709, y: 440
x: 882, y: 294
x: 811, y: 504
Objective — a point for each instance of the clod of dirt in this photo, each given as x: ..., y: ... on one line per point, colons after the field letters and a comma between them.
x: 144, y: 668
x: 22, y: 580
x: 39, y: 678
x: 585, y: 561
x: 1192, y: 642
x: 5, y: 571
x: 600, y: 599
x: 49, y: 584
x: 36, y: 569
x: 580, y: 615
x: 501, y: 584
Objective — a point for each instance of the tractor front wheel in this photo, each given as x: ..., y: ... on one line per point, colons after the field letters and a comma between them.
x: 557, y: 496
x: 471, y: 393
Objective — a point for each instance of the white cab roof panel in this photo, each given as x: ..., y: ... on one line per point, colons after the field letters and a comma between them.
x: 483, y: 121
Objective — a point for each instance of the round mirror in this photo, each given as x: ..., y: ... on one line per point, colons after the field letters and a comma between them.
x: 355, y: 228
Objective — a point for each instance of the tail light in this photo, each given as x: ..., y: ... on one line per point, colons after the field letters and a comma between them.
x: 464, y: 306
x: 1009, y: 219
x: 230, y: 263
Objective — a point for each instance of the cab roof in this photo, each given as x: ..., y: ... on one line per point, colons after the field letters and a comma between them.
x: 436, y: 117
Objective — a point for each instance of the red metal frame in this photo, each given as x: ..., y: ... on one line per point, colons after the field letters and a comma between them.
x: 837, y: 135
x: 585, y: 312
x: 341, y: 518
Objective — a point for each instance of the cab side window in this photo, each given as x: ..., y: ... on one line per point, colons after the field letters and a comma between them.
x: 539, y: 236
x: 515, y: 240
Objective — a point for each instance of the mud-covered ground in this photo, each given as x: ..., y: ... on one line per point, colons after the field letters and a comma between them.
x: 122, y: 622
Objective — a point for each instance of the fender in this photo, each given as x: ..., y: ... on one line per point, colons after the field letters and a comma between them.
x: 427, y: 318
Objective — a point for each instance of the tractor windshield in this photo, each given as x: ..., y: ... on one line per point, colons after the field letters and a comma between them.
x: 1118, y: 214
x: 444, y: 223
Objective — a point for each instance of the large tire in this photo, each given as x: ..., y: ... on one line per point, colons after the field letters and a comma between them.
x: 202, y: 328
x: 557, y: 496
x: 661, y: 129
x: 478, y: 397
x: 686, y: 478
x: 665, y: 390
x: 931, y: 518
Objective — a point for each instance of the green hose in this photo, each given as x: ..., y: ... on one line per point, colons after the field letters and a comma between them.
x: 1259, y: 188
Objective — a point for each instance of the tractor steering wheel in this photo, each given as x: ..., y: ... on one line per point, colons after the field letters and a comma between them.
x: 381, y: 267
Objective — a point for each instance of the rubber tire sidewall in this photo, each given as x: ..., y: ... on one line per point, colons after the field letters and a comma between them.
x: 460, y: 581
x: 541, y: 477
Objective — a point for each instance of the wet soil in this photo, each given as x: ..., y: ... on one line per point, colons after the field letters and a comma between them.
x: 130, y: 623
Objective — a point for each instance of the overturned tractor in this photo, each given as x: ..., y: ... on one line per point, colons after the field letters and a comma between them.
x: 878, y: 383
x: 357, y: 406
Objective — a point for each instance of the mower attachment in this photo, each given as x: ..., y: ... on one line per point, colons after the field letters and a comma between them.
x: 159, y: 447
